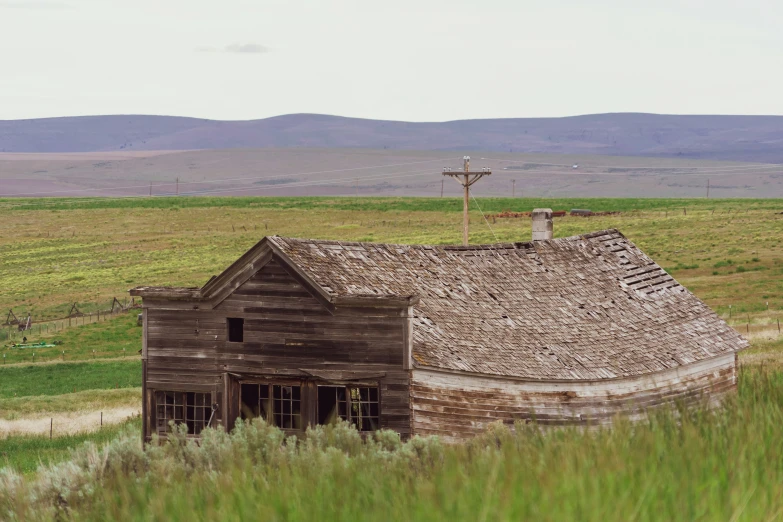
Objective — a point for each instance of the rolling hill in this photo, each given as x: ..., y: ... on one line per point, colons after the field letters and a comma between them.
x: 732, y: 138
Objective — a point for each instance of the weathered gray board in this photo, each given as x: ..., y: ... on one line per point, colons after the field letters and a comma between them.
x: 289, y: 336
x: 455, y: 406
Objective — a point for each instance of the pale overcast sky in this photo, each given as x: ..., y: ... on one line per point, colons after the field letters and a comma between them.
x: 419, y: 60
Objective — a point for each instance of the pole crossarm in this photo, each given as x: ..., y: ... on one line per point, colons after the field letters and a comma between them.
x: 470, y: 180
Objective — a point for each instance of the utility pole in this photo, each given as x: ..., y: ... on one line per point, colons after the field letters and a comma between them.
x: 513, y: 188
x: 441, y: 186
x: 150, y: 188
x: 466, y: 178
x: 357, y: 187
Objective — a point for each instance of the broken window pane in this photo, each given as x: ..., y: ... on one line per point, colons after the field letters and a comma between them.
x: 275, y: 403
x: 364, y: 409
x: 332, y: 404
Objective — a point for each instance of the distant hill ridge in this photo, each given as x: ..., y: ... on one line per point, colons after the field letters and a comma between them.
x: 737, y: 138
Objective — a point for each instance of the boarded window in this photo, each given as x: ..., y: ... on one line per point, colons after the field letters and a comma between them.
x: 278, y: 404
x: 190, y: 408
x: 358, y: 405
x: 236, y: 330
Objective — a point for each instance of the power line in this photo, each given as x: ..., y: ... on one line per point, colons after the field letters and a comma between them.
x: 723, y: 167
x: 485, y: 217
x: 580, y: 172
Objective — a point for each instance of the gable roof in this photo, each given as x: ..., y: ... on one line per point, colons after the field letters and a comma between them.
x: 586, y: 307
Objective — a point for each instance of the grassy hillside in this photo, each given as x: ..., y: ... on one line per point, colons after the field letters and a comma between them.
x: 728, y: 252
x: 89, y: 251
x: 119, y: 337
x: 57, y: 379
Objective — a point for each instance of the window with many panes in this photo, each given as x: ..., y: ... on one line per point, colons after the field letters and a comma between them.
x: 359, y: 405
x: 198, y: 411
x: 365, y: 413
x: 281, y: 405
x: 278, y: 404
x: 194, y: 409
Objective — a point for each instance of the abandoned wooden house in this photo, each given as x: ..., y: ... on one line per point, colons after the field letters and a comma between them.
x: 431, y: 339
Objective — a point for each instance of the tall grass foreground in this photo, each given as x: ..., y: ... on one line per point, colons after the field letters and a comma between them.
x: 698, y: 464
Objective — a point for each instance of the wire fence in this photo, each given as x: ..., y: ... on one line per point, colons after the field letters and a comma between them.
x: 26, y: 325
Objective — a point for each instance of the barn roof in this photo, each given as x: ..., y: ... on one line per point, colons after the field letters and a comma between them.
x: 586, y: 307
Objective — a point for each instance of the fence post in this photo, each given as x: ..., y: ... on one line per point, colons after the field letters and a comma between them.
x: 51, y: 427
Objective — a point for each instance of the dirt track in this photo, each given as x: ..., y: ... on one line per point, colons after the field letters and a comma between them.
x: 65, y: 424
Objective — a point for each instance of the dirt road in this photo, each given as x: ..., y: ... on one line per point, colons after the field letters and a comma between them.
x: 65, y: 423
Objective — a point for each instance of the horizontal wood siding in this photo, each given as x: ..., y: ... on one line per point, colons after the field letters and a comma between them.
x: 287, y: 332
x: 457, y: 406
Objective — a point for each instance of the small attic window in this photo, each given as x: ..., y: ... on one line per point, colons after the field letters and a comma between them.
x: 236, y: 329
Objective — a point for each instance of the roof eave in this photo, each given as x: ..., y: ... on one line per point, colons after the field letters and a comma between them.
x: 171, y: 294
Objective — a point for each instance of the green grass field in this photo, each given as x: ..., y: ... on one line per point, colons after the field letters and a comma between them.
x: 57, y: 379
x: 117, y: 337
x: 58, y: 388
x: 708, y: 467
x: 25, y: 454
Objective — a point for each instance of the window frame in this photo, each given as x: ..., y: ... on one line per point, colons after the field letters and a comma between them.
x: 309, y: 414
x: 180, y: 401
x: 273, y: 401
x: 351, y: 405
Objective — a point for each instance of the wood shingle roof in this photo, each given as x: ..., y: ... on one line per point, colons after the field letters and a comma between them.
x: 587, y: 307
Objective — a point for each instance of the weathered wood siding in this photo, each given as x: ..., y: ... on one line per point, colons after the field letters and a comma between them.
x: 288, y: 334
x: 456, y: 406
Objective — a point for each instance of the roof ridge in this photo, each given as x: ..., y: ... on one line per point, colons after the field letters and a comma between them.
x: 506, y: 245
